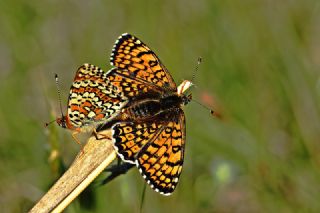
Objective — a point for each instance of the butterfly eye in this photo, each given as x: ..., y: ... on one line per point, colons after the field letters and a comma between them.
x: 186, y: 99
x: 64, y: 124
x: 189, y: 98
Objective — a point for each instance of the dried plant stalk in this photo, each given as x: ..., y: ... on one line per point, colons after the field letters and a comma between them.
x: 96, y: 156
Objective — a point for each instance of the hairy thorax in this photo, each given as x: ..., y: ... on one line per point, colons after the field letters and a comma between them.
x: 147, y: 109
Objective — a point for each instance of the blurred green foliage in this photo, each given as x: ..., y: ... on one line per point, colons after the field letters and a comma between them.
x: 260, y: 72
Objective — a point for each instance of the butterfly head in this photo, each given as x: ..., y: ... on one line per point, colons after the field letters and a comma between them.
x: 62, y: 121
x: 186, y: 99
x: 181, y: 90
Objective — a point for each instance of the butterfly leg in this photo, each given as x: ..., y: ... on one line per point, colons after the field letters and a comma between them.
x: 97, y: 134
x: 77, y: 140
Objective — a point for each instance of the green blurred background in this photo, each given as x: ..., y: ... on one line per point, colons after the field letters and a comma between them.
x: 260, y: 72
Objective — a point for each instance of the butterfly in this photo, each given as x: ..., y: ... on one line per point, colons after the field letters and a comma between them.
x: 92, y: 100
x: 140, y: 102
x: 150, y: 130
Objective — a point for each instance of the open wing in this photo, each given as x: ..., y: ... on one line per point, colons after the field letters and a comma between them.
x: 157, y: 148
x: 132, y: 88
x: 138, y: 61
x: 92, y: 97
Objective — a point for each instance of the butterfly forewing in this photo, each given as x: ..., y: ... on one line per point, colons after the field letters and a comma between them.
x: 131, y: 54
x: 132, y: 88
x: 92, y: 97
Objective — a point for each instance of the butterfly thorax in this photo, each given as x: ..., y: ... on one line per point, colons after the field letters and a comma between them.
x: 145, y: 110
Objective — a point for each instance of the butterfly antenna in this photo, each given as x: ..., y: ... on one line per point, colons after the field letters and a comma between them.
x: 196, y: 69
x: 211, y: 110
x: 59, y: 94
x: 59, y: 98
x: 47, y: 124
x: 192, y: 80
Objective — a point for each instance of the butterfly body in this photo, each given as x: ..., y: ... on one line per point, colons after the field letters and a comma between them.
x: 146, y: 110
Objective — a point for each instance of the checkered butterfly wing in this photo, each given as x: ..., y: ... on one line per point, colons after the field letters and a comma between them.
x: 92, y: 97
x: 132, y: 88
x: 136, y: 61
x: 156, y: 147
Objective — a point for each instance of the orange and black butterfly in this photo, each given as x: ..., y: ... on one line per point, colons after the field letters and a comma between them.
x: 92, y: 100
x: 140, y: 101
x: 150, y: 129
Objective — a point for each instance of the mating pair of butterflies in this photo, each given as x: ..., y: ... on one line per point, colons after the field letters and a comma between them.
x: 141, y: 103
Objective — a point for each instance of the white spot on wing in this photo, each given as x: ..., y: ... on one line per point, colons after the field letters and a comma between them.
x: 165, y: 194
x: 137, y: 162
x: 91, y: 114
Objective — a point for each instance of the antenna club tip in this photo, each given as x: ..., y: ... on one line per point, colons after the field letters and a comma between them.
x: 47, y: 124
x: 212, y: 112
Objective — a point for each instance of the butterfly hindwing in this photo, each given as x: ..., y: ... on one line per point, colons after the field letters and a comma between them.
x: 132, y: 55
x: 160, y: 161
x: 92, y: 97
x: 156, y: 147
x: 130, y: 137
